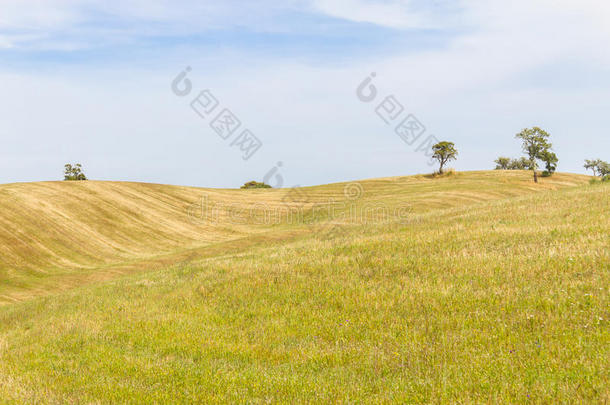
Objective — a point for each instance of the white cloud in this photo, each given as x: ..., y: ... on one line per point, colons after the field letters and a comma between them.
x: 558, y: 25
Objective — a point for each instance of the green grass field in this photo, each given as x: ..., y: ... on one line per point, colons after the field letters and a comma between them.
x: 491, y: 290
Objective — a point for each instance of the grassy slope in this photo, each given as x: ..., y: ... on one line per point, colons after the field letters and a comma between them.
x: 57, y: 235
x: 502, y: 301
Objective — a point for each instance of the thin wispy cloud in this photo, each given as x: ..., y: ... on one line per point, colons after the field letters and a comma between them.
x: 393, y: 14
x: 92, y: 23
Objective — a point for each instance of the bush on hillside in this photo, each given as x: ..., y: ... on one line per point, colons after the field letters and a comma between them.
x: 504, y: 163
x: 255, y: 184
x: 446, y: 173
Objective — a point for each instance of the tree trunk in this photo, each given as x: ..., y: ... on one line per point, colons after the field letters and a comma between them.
x: 535, y: 176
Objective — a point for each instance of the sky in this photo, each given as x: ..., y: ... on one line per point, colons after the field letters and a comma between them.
x: 319, y: 87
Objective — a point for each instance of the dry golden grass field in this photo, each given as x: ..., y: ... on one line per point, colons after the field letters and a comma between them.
x: 475, y: 287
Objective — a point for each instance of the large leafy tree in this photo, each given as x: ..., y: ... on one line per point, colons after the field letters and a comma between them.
x: 536, y: 146
x: 74, y: 172
x: 444, y: 152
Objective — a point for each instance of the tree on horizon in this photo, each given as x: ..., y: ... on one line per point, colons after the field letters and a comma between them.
x: 444, y: 152
x: 537, y: 147
x: 74, y: 173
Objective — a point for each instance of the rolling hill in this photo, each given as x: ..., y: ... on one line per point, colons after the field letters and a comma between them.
x: 473, y: 287
x: 58, y: 235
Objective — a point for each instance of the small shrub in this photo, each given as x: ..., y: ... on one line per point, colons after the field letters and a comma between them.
x: 600, y: 180
x: 255, y: 184
x: 446, y: 173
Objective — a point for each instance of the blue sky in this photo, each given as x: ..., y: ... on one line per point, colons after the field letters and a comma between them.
x: 89, y: 81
